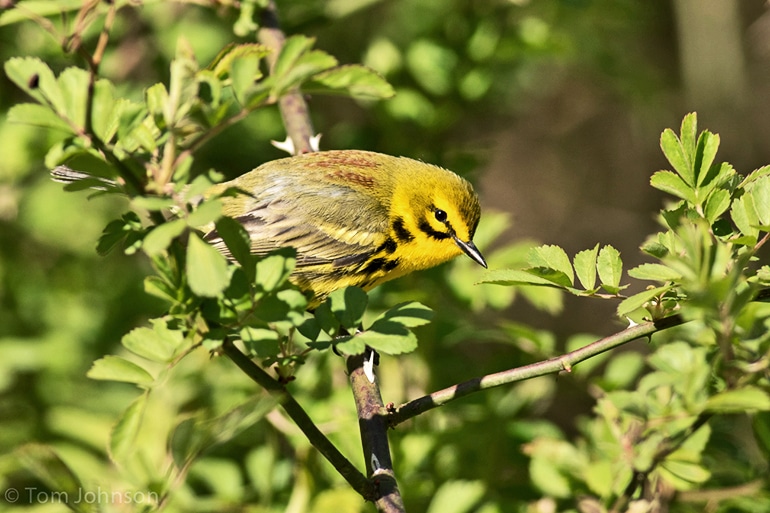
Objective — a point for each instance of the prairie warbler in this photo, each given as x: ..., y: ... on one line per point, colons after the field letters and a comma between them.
x: 354, y: 217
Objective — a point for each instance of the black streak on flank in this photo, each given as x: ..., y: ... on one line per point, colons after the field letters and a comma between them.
x: 428, y: 229
x: 402, y: 234
x: 380, y: 264
x: 389, y: 246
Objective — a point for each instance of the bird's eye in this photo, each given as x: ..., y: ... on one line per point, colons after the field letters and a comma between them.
x: 440, y: 215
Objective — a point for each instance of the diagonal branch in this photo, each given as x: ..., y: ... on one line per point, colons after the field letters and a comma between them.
x: 351, y: 474
x: 553, y: 365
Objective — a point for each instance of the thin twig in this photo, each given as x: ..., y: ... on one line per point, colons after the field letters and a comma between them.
x: 557, y: 364
x: 347, y: 470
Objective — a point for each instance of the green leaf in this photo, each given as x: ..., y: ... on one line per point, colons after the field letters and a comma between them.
x: 684, y: 473
x: 158, y: 344
x: 760, y: 193
x: 152, y: 203
x: 671, y: 183
x: 656, y: 272
x: 223, y: 62
x: 716, y: 205
x: 632, y: 303
x: 106, y: 110
x: 675, y: 153
x: 585, y: 267
x: 206, y: 213
x: 274, y: 269
x: 555, y: 258
x: 46, y: 465
x: 387, y: 337
x: 73, y: 83
x: 160, y: 237
x: 512, y: 277
x: 707, y: 147
x: 264, y: 342
x: 610, y: 268
x: 244, y: 72
x: 348, y: 306
x: 297, y: 63
x: 42, y: 9
x: 115, y: 368
x: 353, y: 80
x: 35, y: 78
x: 457, y: 497
x: 36, y: 115
x: 123, y: 436
x: 238, y: 242
x: 116, y: 231
x: 410, y: 314
x: 207, y: 270
x: 741, y: 400
x: 744, y: 215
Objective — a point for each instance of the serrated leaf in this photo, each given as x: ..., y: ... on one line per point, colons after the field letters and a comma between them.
x: 244, y: 72
x: 36, y: 115
x: 238, y: 242
x: 207, y: 271
x: 673, y: 184
x: 744, y: 215
x: 633, y: 303
x: 552, y: 257
x: 115, y: 368
x: 348, y: 306
x: 35, y: 78
x: 160, y: 237
x: 73, y: 83
x: 354, y: 80
x: 585, y: 267
x: 410, y: 314
x: 716, y: 205
x: 157, y: 344
x: 123, y: 436
x: 274, y: 269
x: 657, y: 272
x: 206, y: 213
x: 707, y: 147
x: 512, y: 277
x: 293, y: 48
x: 760, y: 193
x: 748, y: 398
x: 222, y: 63
x: 388, y: 337
x: 610, y: 268
x: 676, y: 155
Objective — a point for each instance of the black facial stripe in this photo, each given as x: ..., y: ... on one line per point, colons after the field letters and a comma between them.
x: 428, y: 229
x: 350, y: 259
x: 402, y: 234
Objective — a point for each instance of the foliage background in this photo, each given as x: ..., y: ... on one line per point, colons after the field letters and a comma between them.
x: 553, y: 109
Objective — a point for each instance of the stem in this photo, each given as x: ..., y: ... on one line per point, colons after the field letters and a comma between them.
x: 553, y: 365
x: 294, y: 111
x: 346, y: 469
x: 373, y: 423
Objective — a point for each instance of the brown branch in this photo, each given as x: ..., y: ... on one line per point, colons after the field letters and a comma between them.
x: 294, y: 111
x: 551, y: 366
x: 346, y: 469
x: 373, y: 423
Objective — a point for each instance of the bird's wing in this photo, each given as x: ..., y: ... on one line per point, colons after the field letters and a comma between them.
x: 325, y: 221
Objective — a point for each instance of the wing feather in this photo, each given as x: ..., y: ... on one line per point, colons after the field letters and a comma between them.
x: 326, y: 221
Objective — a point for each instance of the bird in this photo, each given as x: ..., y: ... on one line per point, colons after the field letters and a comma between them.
x: 355, y: 218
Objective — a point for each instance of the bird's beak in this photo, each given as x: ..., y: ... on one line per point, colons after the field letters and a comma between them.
x: 471, y: 250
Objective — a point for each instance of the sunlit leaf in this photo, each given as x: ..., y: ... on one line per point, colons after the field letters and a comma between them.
x: 115, y: 368
x: 207, y: 270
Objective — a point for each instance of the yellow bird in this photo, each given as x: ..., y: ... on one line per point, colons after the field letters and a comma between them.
x: 354, y: 217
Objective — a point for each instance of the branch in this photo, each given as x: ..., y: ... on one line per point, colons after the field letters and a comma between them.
x: 553, y: 365
x: 348, y: 471
x: 373, y: 423
x: 294, y: 111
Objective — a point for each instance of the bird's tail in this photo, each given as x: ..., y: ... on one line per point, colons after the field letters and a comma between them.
x: 79, y: 180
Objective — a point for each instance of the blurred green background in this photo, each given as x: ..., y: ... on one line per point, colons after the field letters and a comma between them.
x: 552, y: 108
